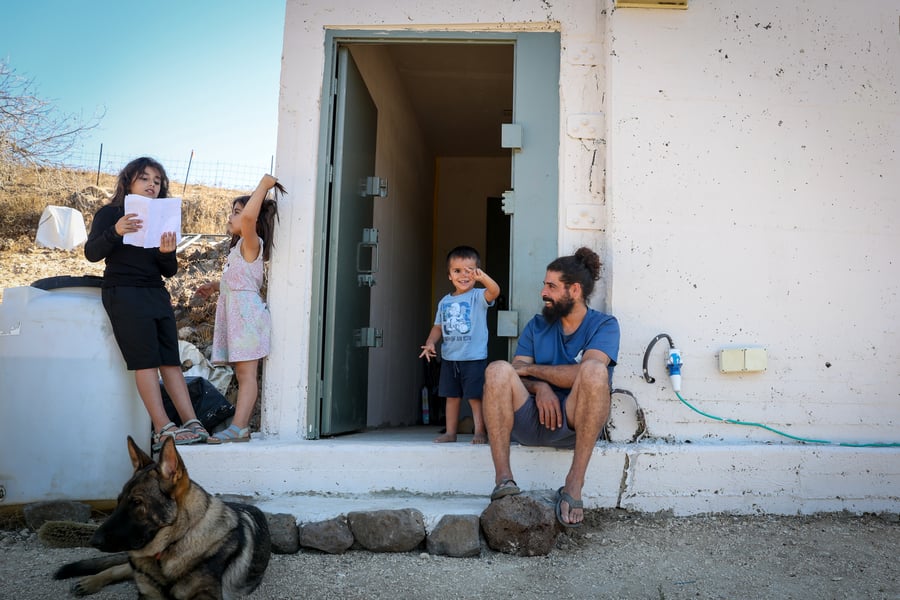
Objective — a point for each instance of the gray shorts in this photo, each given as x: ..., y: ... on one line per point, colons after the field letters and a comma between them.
x: 528, y: 431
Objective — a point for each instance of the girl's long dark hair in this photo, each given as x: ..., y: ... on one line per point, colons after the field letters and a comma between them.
x: 265, y: 222
x: 131, y: 171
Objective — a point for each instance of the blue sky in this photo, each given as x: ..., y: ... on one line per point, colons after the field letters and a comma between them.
x: 171, y: 75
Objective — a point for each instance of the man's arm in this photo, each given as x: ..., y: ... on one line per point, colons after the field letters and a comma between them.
x: 561, y: 376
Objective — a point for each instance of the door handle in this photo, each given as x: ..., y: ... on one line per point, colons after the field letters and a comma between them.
x: 366, y: 277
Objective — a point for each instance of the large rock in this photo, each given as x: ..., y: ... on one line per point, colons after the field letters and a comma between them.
x: 332, y: 536
x: 455, y: 535
x: 524, y: 525
x: 283, y: 531
x: 388, y: 530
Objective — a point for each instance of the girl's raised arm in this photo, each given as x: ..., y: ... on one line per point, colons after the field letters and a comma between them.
x: 249, y: 240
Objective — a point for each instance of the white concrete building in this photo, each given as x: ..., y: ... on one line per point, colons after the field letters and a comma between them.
x: 735, y: 164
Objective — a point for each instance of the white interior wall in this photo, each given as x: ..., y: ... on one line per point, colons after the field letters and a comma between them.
x: 464, y: 185
x: 754, y: 177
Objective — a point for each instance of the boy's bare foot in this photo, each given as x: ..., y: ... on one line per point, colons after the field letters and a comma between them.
x: 443, y: 439
x: 479, y: 438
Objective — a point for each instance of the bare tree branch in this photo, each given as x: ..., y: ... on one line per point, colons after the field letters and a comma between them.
x: 32, y: 131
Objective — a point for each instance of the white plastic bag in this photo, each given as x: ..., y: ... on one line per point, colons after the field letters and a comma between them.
x: 61, y: 227
x: 220, y: 377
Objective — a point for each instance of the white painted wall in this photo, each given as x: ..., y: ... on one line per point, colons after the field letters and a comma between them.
x: 736, y: 166
x: 465, y: 185
x: 754, y: 192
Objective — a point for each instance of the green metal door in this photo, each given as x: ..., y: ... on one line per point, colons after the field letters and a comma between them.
x: 533, y: 202
x: 351, y: 255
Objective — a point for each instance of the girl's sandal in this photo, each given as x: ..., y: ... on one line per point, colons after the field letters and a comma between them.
x: 180, y: 435
x: 232, y: 434
x: 197, y: 428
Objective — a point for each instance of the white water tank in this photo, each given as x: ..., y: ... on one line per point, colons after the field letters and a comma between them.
x: 67, y: 401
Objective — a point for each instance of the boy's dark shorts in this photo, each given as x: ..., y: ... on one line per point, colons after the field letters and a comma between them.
x: 528, y: 431
x: 462, y: 379
x: 143, y: 323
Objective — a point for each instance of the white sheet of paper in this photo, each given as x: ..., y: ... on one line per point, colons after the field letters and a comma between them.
x: 159, y: 216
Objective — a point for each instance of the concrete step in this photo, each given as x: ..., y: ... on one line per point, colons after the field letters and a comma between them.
x: 317, y: 480
x: 402, y: 468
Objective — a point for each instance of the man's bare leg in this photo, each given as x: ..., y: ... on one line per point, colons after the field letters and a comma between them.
x: 503, y: 394
x: 587, y: 410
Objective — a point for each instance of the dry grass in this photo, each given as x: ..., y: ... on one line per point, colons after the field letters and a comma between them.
x: 26, y: 192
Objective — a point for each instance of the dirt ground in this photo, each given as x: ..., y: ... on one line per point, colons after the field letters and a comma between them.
x: 617, y: 555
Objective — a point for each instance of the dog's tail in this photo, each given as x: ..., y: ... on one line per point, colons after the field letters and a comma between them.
x: 91, y: 566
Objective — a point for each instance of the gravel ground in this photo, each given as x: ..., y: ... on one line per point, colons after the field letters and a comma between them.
x: 617, y: 555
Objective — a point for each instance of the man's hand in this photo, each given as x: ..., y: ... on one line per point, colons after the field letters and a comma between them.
x: 548, y: 406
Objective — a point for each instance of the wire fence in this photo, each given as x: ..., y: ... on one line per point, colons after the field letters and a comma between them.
x: 185, y: 170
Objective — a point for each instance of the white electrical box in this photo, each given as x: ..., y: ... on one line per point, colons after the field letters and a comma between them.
x: 742, y: 360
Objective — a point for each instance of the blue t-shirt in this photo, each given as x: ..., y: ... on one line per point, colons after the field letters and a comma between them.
x: 463, y: 321
x: 546, y: 344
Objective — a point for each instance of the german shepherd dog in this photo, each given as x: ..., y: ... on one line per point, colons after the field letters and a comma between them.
x: 173, y: 538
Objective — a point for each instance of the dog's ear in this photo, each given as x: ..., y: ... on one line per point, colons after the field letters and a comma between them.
x: 139, y: 458
x: 172, y: 468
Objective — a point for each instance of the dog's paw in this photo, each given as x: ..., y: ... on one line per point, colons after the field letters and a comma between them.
x: 86, y: 586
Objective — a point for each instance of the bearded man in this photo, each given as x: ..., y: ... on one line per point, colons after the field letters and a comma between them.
x: 556, y: 391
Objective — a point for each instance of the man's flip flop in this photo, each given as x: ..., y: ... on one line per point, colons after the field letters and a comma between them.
x: 507, y: 487
x: 562, y: 496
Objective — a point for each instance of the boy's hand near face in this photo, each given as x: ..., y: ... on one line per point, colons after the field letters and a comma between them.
x: 491, y: 287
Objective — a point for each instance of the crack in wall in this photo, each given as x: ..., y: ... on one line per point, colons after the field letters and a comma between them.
x: 623, y: 482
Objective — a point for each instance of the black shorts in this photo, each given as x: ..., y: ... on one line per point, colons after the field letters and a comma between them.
x: 143, y: 323
x: 462, y: 379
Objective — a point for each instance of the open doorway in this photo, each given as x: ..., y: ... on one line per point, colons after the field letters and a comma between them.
x: 439, y: 171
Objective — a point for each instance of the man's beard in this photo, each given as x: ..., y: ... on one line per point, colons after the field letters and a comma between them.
x: 558, y: 309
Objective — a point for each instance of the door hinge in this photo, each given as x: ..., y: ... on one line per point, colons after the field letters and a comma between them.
x: 374, y: 186
x: 368, y: 337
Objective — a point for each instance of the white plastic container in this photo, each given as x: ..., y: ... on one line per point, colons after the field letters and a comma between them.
x: 67, y: 401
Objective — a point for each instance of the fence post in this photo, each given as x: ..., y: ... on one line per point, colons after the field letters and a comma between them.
x: 186, y: 175
x: 99, y: 162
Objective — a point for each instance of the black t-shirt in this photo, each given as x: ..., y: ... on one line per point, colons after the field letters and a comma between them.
x: 125, y: 264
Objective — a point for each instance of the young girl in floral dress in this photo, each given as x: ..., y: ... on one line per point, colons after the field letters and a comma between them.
x: 243, y: 324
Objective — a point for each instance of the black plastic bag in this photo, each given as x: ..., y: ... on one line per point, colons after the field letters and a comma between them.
x: 210, y: 405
